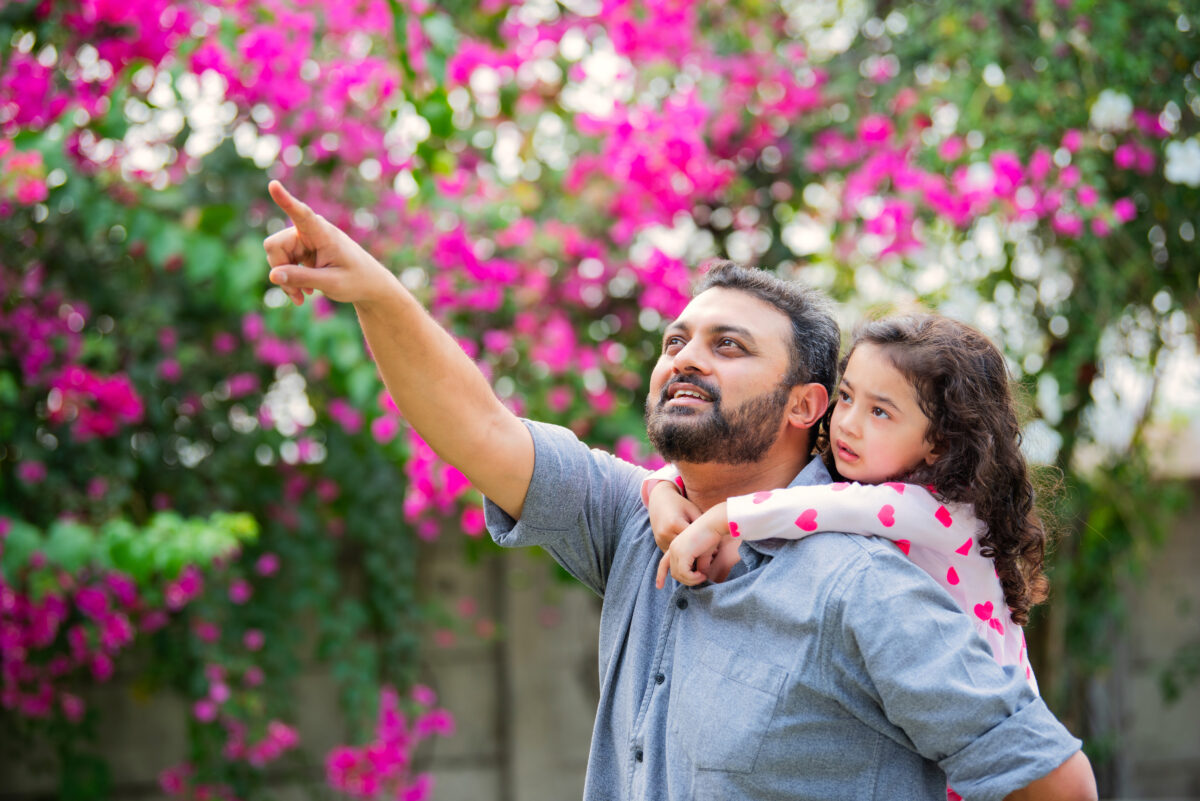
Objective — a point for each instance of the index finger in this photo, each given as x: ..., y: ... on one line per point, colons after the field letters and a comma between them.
x: 664, y: 565
x: 299, y: 212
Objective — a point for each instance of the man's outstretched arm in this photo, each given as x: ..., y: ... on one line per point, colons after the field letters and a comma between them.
x: 436, y: 386
x: 1071, y: 781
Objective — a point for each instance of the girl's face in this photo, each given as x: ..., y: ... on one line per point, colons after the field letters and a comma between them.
x: 877, y: 432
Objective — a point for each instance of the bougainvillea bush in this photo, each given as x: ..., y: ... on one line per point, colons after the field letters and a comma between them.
x: 188, y: 465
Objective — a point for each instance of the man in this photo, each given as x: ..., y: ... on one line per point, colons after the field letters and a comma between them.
x: 811, y: 673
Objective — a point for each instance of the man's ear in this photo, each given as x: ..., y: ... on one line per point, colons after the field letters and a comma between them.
x: 807, y: 404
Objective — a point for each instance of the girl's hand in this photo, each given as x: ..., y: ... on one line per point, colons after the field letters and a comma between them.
x: 670, y: 513
x: 701, y: 552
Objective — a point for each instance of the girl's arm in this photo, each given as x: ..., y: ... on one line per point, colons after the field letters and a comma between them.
x: 907, y: 514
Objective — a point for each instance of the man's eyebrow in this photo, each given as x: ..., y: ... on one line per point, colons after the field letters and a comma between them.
x: 744, y: 333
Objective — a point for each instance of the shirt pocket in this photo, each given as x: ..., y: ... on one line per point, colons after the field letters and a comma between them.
x: 724, y: 707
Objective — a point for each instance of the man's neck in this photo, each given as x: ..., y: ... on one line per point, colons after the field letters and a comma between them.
x: 710, y: 483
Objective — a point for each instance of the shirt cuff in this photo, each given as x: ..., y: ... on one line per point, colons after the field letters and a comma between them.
x: 1020, y: 750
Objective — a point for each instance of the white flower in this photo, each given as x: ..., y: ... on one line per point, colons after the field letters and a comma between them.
x: 1183, y: 162
x: 1111, y: 111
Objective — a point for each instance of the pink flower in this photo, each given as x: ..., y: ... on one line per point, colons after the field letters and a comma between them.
x: 115, y: 632
x: 122, y: 588
x: 384, y: 429
x: 875, y: 129
x: 224, y: 343
x: 1072, y: 140
x: 267, y: 564
x: 92, y: 601
x: 1124, y: 210
x: 241, y: 384
x: 253, y: 326
x: 253, y: 676
x: 173, y: 780
x: 154, y: 620
x: 345, y: 415
x: 206, y: 631
x: 73, y: 707
x: 1125, y: 156
x: 31, y: 472
x: 253, y: 640
x: 204, y: 710
x: 472, y: 521
x: 240, y: 591
x: 101, y: 666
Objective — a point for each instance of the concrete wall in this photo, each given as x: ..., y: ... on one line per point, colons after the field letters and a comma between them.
x: 524, y: 699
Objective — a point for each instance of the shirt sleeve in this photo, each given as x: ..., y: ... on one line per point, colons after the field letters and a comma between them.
x: 665, y: 473
x: 579, y: 503
x: 896, y: 637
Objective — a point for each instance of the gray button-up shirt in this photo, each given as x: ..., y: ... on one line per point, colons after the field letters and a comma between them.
x: 831, y: 667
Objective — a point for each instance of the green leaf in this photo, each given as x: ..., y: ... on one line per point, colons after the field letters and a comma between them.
x: 22, y: 542
x: 203, y: 255
x: 165, y: 240
x: 70, y: 545
x: 215, y: 219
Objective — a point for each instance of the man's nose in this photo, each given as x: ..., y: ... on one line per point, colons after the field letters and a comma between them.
x: 691, y: 358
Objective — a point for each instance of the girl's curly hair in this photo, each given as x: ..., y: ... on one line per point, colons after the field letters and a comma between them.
x: 963, y: 386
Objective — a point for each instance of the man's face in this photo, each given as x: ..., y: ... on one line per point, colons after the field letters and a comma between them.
x: 717, y: 393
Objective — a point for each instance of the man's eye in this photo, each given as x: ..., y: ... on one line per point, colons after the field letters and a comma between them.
x: 729, y: 343
x: 672, y: 344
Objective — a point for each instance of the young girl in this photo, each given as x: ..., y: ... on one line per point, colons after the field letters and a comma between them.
x: 924, y: 425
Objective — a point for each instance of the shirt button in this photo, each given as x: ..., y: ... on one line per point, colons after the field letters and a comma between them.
x: 638, y: 755
x: 681, y: 603
x: 659, y: 678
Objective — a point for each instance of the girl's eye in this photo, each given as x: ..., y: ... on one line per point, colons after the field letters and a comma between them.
x: 877, y: 412
x: 843, y: 396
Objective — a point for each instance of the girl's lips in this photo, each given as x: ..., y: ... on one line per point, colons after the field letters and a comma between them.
x: 845, y: 452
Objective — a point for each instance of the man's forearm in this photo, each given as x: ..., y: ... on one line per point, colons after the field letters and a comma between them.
x: 445, y: 397
x: 1073, y: 780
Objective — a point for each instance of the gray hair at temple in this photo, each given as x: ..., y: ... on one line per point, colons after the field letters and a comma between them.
x: 816, y: 338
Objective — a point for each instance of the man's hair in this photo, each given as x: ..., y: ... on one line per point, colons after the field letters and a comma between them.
x: 816, y: 338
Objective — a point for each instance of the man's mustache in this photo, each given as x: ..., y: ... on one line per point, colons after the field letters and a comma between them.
x: 712, y: 392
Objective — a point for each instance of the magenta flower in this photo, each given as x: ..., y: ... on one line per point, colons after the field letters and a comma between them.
x: 253, y: 640
x: 72, y: 706
x: 345, y: 415
x: 101, y: 666
x: 92, y: 601
x: 31, y: 472
x: 204, y: 710
x: 384, y: 429
x: 1124, y: 210
x: 240, y: 591
x: 267, y: 564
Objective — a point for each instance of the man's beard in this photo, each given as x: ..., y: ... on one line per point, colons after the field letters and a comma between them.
x: 743, y: 436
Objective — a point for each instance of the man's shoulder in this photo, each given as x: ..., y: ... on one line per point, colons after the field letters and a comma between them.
x: 848, y: 566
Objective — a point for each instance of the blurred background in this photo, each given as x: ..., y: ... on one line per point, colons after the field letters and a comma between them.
x: 229, y: 568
